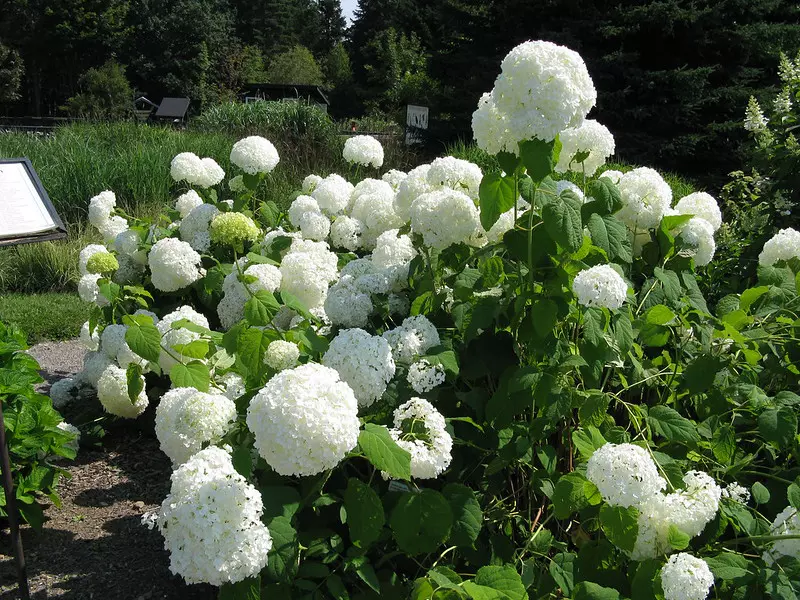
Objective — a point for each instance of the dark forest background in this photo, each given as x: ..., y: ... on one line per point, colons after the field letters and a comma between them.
x: 673, y: 76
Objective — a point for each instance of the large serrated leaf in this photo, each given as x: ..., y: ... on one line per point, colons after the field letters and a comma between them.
x: 365, y: 517
x: 421, y: 521
x: 497, y: 195
x: 467, y: 514
x: 383, y: 452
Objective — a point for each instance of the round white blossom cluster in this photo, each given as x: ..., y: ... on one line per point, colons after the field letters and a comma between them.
x: 601, y: 286
x: 363, y: 361
x: 346, y: 233
x: 62, y: 391
x: 89, y: 291
x: 646, y: 198
x: 281, y: 355
x: 194, y: 228
x: 306, y: 215
x: 414, y: 185
x: 784, y: 245
x: 590, y: 137
x: 786, y: 523
x: 235, y: 292
x: 74, y: 443
x: 112, y: 391
x: 613, y: 175
x: 172, y: 337
x: 424, y: 376
x: 686, y: 577
x: 625, y: 474
x: 444, y: 218
x: 542, y: 90
x: 702, y: 205
x: 310, y: 183
x: 333, y: 194
x: 736, y: 493
x: 211, y: 522
x: 305, y: 420
x: 100, y: 209
x: 254, y: 155
x: 420, y: 429
x: 187, y: 202
x: 413, y: 338
x: 94, y: 365
x: 187, y: 418
x: 113, y: 344
x: 699, y: 234
x: 233, y: 229
x: 306, y: 271
x: 394, y: 178
x: 457, y: 174
x: 363, y: 150
x: 202, y: 172
x: 87, y: 253
x: 173, y: 265
x: 90, y: 341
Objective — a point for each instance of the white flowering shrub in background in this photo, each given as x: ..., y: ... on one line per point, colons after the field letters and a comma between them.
x: 457, y: 384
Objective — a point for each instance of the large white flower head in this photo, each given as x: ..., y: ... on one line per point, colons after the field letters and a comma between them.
x: 112, y: 228
x: 94, y: 365
x: 412, y: 187
x: 194, y: 226
x: 100, y: 208
x: 127, y: 243
x: 305, y: 420
x: 413, y: 338
x: 187, y: 202
x: 346, y: 233
x: 420, y: 429
x: 394, y: 178
x: 444, y: 218
x: 376, y: 212
x: 254, y: 155
x: 306, y: 271
x: 173, y: 265
x: 363, y: 150
x: 784, y: 245
x: 392, y: 250
x: 172, y: 337
x: 646, y: 198
x: 613, y: 175
x: 490, y: 128
x: 457, y: 174
x: 702, y: 205
x: 305, y: 214
x: 363, y: 361
x: 786, y: 523
x: 686, y: 577
x: 112, y: 391
x: 591, y: 137
x: 281, y: 355
x: 699, y: 234
x: 112, y: 339
x: 212, y: 173
x: 187, y: 418
x: 86, y: 254
x: 601, y: 286
x: 624, y: 474
x: 310, y: 183
x: 333, y: 194
x: 62, y: 391
x: 231, y: 307
x: 203, y: 172
x: 692, y: 508
x: 89, y: 291
x: 347, y: 305
x: 424, y: 376
x: 542, y: 90
x: 90, y: 341
x: 375, y: 187
x: 211, y: 522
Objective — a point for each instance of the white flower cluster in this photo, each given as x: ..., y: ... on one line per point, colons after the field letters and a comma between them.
x: 601, y: 286
x: 754, y: 119
x: 363, y: 361
x: 306, y: 215
x: 173, y: 265
x: 310, y: 183
x: 100, y: 209
x: 646, y: 198
x: 112, y: 391
x: 445, y: 217
x: 235, y: 292
x: 211, y: 522
x: 187, y: 202
x: 333, y: 194
x: 194, y: 227
x: 306, y: 271
x: 686, y: 577
x: 202, y: 172
x: 254, y: 155
x: 281, y: 355
x: 420, y: 429
x: 590, y: 137
x: 363, y: 150
x: 305, y: 420
x: 187, y: 418
x: 624, y: 474
x: 542, y: 90
x: 784, y: 245
x: 702, y: 205
x: 413, y: 338
x: 786, y: 523
x: 455, y: 174
x: 424, y: 376
x: 736, y: 493
x: 172, y: 337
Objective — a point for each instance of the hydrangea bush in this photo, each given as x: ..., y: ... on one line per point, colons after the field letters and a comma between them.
x: 456, y: 384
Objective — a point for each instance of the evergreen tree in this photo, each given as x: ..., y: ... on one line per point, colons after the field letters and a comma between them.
x: 332, y: 24
x: 11, y: 71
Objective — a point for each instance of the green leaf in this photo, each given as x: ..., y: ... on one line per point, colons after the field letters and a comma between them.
x: 669, y: 283
x: 497, y: 195
x: 194, y: 349
x: 621, y: 525
x: 778, y: 426
x: 279, y: 501
x: 723, y: 443
x: 760, y: 493
x: 594, y: 324
x: 593, y: 409
x: 586, y: 590
x: 730, y: 567
x: 699, y: 376
x: 562, y: 568
x: 539, y: 158
x: 749, y: 296
x: 569, y: 495
x: 193, y: 374
x: 365, y: 517
x: 291, y: 301
x: 667, y: 422
x: 504, y: 579
x: 250, y: 347
x: 545, y: 316
x: 642, y: 586
x: 421, y: 521
x: 607, y: 198
x: 467, y: 514
x: 143, y: 337
x: 678, y: 540
x: 793, y: 493
x: 261, y: 308
x: 611, y: 235
x: 659, y: 315
x: 423, y: 304
x: 282, y: 559
x: 383, y: 452
x: 135, y: 381
x: 367, y: 574
x: 246, y: 589
x: 562, y: 220
x: 588, y: 440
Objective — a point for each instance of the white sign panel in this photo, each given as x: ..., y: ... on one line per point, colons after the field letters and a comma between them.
x: 416, y: 120
x: 25, y: 209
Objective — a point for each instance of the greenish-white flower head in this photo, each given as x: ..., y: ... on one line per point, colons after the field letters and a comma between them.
x: 233, y: 229
x: 102, y: 263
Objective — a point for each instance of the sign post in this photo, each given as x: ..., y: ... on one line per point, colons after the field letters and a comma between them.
x: 416, y: 121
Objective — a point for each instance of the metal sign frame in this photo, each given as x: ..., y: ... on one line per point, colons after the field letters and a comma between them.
x: 59, y: 231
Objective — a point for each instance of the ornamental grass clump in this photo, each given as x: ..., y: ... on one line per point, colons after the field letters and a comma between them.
x: 451, y: 383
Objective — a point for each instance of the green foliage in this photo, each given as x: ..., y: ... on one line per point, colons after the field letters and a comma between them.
x: 31, y: 428
x: 49, y: 316
x: 11, y: 70
x: 105, y: 94
x: 296, y: 65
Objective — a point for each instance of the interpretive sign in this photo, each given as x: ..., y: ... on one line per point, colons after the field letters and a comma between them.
x: 26, y: 213
x: 416, y: 122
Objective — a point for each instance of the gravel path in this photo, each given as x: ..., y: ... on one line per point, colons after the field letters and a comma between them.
x: 58, y: 360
